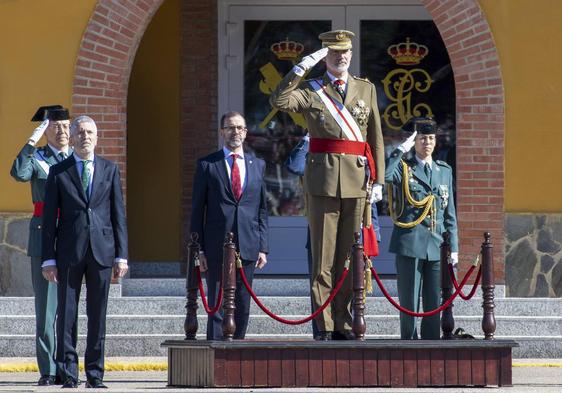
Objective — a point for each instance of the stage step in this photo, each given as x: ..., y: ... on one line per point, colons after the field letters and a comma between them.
x: 137, y: 325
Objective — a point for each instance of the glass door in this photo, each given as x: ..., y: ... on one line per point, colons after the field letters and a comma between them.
x: 264, y: 42
x: 258, y: 45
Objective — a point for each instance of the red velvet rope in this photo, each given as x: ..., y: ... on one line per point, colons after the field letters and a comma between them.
x: 299, y: 321
x: 204, y: 298
x: 420, y: 314
x: 456, y: 284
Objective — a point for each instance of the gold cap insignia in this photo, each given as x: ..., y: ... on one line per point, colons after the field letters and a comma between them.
x: 337, y: 39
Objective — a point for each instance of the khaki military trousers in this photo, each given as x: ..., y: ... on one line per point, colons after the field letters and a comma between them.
x: 332, y: 222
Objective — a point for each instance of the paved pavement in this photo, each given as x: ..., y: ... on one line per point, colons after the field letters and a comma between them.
x: 529, y: 376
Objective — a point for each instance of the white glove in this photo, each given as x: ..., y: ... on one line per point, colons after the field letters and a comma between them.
x: 311, y: 60
x: 38, y: 132
x: 376, y: 193
x: 454, y: 258
x: 407, y: 145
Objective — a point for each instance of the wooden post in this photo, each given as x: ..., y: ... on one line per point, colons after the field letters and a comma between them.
x: 192, y: 285
x: 447, y: 319
x: 229, y: 287
x: 489, y: 319
x: 358, y: 270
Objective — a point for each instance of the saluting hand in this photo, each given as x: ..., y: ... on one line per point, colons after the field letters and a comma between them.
x: 407, y: 145
x: 262, y: 260
x: 311, y: 60
x: 38, y: 132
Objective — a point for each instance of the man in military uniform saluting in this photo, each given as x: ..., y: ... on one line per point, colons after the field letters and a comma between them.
x: 424, y: 210
x: 32, y: 165
x: 345, y: 165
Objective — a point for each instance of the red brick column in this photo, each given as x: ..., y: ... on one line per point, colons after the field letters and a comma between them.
x: 480, y: 124
x: 103, y: 68
x: 199, y: 81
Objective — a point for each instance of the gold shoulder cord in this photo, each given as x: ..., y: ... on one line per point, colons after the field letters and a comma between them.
x: 428, y: 203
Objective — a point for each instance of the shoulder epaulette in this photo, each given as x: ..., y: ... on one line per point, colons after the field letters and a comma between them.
x: 361, y: 79
x: 442, y: 163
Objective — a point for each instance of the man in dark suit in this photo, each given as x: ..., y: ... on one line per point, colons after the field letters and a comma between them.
x: 32, y: 165
x: 229, y: 196
x: 88, y: 239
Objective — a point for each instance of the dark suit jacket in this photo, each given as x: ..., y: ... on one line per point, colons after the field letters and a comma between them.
x: 215, y: 211
x: 99, y: 222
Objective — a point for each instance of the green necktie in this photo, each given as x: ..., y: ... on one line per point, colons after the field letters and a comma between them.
x: 85, y: 176
x: 62, y: 156
x: 427, y: 170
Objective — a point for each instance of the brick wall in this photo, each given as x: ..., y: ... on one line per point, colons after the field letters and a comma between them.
x: 115, y: 29
x: 480, y: 125
x: 199, y: 79
x: 103, y: 67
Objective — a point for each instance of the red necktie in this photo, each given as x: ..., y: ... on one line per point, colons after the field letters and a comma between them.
x: 235, y: 178
x: 338, y: 84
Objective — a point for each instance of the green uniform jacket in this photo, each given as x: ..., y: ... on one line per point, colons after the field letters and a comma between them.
x: 420, y: 241
x: 27, y: 168
x: 331, y: 174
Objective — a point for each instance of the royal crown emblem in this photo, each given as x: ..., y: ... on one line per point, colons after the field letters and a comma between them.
x: 407, y: 53
x: 287, y: 50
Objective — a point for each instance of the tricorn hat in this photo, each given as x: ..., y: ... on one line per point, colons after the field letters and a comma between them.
x: 51, y: 112
x: 337, y: 39
x: 423, y: 125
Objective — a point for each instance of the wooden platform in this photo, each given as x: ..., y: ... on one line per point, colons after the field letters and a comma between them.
x: 393, y: 363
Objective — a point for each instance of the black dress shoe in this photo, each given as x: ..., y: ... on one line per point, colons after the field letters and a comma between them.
x: 46, y: 380
x: 70, y: 383
x: 323, y: 336
x: 345, y: 335
x: 95, y: 383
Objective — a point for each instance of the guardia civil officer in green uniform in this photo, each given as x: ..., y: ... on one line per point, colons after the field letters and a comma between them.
x: 423, y: 210
x: 32, y: 165
x: 344, y: 167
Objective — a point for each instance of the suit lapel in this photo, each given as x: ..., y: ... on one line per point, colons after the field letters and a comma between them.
x: 73, y: 173
x: 250, y: 167
x: 99, y: 170
x: 220, y: 165
x: 351, y: 90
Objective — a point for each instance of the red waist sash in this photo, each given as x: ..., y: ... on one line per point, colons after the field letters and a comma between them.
x: 323, y: 145
x: 38, y: 209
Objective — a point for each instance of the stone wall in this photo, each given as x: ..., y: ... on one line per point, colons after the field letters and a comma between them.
x: 15, y: 267
x: 533, y: 255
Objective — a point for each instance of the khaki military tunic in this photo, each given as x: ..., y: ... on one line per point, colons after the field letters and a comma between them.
x: 335, y: 184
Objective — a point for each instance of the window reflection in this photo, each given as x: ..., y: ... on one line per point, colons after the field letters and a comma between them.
x: 271, y: 50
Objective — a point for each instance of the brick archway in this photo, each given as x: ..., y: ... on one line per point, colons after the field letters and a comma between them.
x: 103, y: 68
x: 114, y: 31
x: 480, y: 124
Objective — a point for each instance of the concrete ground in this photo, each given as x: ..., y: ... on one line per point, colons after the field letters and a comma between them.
x: 529, y: 376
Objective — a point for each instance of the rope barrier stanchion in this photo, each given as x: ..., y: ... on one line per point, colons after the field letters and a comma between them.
x: 229, y: 287
x: 298, y: 321
x: 447, y: 319
x: 218, y: 304
x: 419, y: 314
x: 358, y: 323
x: 190, y: 325
x: 489, y: 319
x: 474, y: 286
